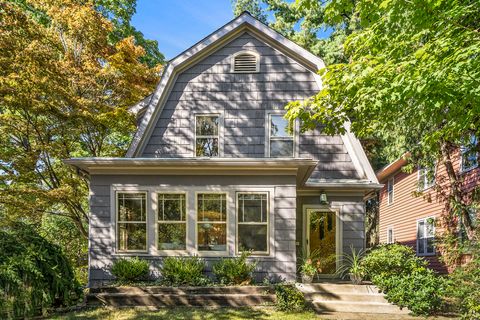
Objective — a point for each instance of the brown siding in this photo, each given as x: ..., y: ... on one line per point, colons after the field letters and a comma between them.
x: 407, y: 208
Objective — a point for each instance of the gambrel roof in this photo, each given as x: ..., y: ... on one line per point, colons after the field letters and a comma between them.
x: 152, y: 106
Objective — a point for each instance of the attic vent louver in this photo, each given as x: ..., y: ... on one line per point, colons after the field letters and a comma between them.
x: 245, y: 62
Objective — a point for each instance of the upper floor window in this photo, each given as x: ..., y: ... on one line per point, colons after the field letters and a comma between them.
x: 390, y: 237
x: 426, y: 237
x: 132, y: 221
x: 390, y: 184
x: 281, y: 137
x: 206, y: 135
x: 469, y: 154
x: 246, y: 62
x: 426, y: 178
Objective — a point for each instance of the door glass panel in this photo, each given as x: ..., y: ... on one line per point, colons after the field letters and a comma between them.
x: 322, y: 242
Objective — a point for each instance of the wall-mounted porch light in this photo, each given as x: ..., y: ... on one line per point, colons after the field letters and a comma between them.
x: 323, y: 198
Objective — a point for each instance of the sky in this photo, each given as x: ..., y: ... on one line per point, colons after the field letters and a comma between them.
x: 179, y: 24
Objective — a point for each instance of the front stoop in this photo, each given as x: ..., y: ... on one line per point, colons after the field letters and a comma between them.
x: 330, y: 297
x: 182, y: 296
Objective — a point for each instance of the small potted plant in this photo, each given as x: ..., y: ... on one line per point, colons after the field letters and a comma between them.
x: 352, y: 266
x: 307, y: 271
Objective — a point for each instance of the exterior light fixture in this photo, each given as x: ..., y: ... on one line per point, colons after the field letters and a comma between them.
x: 323, y: 198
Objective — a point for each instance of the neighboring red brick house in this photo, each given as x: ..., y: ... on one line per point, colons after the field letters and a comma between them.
x: 409, y: 205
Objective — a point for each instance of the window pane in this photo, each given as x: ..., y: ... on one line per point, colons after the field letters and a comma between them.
x: 421, y: 246
x: 430, y: 228
x: 206, y: 147
x: 279, y: 126
x: 211, y: 207
x: 421, y: 230
x: 207, y: 125
x: 252, y: 237
x: 212, y: 237
x: 131, y: 207
x: 430, y: 245
x: 252, y: 208
x: 281, y: 148
x: 171, y: 207
x: 172, y: 236
x: 132, y: 236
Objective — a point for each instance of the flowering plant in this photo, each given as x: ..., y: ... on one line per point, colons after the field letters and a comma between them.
x: 308, y: 268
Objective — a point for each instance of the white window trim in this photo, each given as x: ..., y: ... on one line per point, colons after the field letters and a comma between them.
x: 393, y: 235
x: 117, y: 222
x: 467, y: 169
x: 227, y: 220
x: 220, y: 135
x: 426, y: 186
x: 268, y: 130
x: 425, y: 254
x: 237, y: 223
x: 393, y: 190
x: 157, y: 221
x: 253, y: 53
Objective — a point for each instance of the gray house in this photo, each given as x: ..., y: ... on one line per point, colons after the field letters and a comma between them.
x: 213, y: 169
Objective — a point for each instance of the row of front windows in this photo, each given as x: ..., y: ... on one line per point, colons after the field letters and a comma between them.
x: 210, y: 219
x: 280, y: 140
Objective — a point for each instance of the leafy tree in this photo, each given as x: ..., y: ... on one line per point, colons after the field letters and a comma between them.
x: 64, y: 92
x: 412, y: 78
x: 252, y: 6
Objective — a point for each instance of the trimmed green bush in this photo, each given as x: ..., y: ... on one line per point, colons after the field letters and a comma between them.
x: 463, y: 290
x: 34, y: 274
x: 289, y: 298
x: 234, y: 271
x: 404, y: 278
x: 185, y: 271
x: 130, y: 270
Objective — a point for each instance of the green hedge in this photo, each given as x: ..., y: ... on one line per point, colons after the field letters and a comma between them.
x: 234, y: 271
x: 34, y: 274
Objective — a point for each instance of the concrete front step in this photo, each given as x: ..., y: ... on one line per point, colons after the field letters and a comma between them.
x: 352, y: 297
x: 358, y: 307
x: 338, y: 288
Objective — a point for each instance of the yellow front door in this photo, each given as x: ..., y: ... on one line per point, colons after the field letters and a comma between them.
x: 322, y: 239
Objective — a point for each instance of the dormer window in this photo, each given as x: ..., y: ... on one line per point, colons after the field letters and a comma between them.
x: 246, y: 62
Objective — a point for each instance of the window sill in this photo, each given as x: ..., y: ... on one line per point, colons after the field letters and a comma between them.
x: 426, y: 254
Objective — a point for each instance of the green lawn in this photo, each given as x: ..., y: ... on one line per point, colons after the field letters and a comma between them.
x: 263, y: 313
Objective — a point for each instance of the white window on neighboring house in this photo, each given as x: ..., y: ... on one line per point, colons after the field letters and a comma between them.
x: 171, y: 221
x: 390, y: 184
x: 426, y: 178
x: 426, y: 237
x: 212, y: 222
x: 390, y: 235
x: 469, y: 154
x: 280, y: 137
x: 207, y: 135
x: 252, y: 222
x: 472, y: 215
x: 131, y: 221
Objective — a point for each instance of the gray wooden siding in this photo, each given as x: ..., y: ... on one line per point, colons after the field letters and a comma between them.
x: 280, y: 265
x: 209, y: 86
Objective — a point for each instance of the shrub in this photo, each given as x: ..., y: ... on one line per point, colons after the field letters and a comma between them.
x: 129, y: 270
x: 187, y: 271
x: 34, y: 274
x: 289, y: 298
x: 404, y: 278
x: 234, y: 271
x: 464, y: 289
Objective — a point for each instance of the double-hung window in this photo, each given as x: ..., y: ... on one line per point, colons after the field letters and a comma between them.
x: 252, y: 222
x: 426, y: 178
x: 469, y: 154
x: 426, y: 237
x: 131, y: 221
x: 171, y: 221
x: 207, y: 135
x: 390, y: 184
x: 390, y: 235
x: 281, y: 137
x: 212, y: 222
